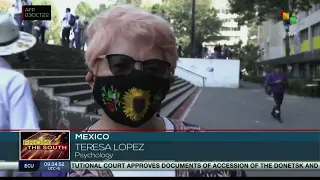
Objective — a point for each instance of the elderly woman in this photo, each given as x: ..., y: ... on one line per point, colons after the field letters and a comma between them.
x: 132, y: 53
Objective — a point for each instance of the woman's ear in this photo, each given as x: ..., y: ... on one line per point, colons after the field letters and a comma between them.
x: 90, y: 79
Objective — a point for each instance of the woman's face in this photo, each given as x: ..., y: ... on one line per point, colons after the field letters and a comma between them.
x: 130, y: 82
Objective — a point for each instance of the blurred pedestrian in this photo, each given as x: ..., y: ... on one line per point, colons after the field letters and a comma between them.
x: 17, y: 109
x: 225, y: 52
x: 77, y: 28
x: 24, y: 25
x: 41, y: 27
x: 278, y: 82
x: 84, y: 36
x: 68, y: 22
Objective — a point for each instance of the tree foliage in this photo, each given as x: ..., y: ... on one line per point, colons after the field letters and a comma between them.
x: 55, y: 23
x: 147, y: 5
x: 258, y: 11
x: 102, y: 8
x: 85, y: 11
x: 5, y: 5
x: 134, y: 2
x: 207, y: 23
x: 179, y: 13
x: 253, y: 34
x: 247, y: 54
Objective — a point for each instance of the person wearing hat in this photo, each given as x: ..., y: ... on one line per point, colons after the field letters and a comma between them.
x: 24, y: 25
x: 17, y: 109
x: 278, y: 81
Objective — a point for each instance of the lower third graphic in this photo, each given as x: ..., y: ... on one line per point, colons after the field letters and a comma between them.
x: 44, y: 145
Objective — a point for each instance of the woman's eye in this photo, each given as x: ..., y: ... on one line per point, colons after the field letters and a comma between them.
x: 152, y: 69
x: 121, y: 65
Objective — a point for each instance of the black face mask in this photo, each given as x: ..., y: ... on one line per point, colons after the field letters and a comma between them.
x: 132, y: 99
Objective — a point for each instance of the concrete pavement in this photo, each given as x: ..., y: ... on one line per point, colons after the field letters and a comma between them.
x: 220, y: 108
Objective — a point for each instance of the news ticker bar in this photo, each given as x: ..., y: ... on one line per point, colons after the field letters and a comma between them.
x: 65, y: 166
x: 167, y: 165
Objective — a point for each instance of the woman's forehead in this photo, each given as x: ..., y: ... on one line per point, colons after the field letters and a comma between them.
x: 139, y: 52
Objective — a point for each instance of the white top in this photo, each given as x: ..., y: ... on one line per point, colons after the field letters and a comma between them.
x: 18, y: 5
x: 17, y: 109
x: 77, y: 25
x: 51, y: 41
x: 172, y: 173
x: 71, y: 36
x: 65, y: 22
x: 44, y: 23
x: 264, y: 74
x: 312, y: 85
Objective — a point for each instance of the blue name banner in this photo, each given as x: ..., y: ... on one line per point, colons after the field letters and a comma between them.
x: 195, y: 136
x: 95, y: 146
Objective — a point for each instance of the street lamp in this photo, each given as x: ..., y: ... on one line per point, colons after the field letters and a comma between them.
x: 193, y: 19
x: 287, y: 43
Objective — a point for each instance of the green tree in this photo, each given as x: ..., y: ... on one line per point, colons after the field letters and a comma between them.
x: 102, y: 8
x: 253, y: 34
x: 207, y: 23
x: 258, y: 11
x: 157, y: 9
x: 184, y: 42
x: 134, y: 2
x: 85, y: 11
x: 55, y: 23
x: 146, y: 5
x: 5, y: 6
x: 247, y: 54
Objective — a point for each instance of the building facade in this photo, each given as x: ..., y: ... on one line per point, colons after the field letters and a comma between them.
x: 304, y: 37
x: 230, y: 28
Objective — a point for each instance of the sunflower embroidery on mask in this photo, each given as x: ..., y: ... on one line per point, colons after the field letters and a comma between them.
x: 136, y: 103
x: 111, y: 98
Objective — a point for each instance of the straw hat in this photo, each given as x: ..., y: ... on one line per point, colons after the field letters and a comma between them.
x: 13, y: 41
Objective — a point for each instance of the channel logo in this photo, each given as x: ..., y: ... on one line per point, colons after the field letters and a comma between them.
x: 287, y: 19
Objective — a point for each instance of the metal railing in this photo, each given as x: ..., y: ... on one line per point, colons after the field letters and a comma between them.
x: 203, y: 78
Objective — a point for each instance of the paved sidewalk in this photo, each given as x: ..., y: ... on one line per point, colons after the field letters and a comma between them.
x: 221, y: 108
x: 249, y: 85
